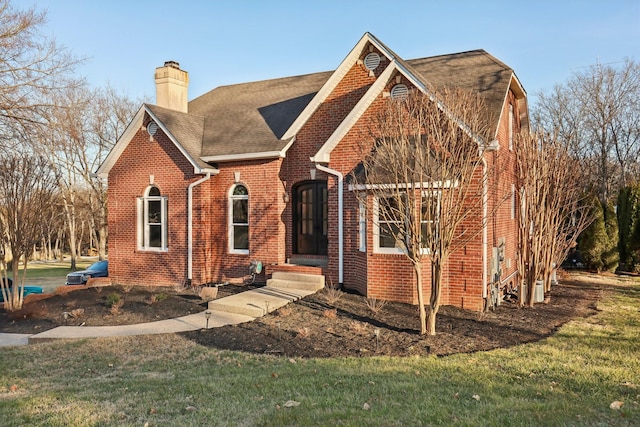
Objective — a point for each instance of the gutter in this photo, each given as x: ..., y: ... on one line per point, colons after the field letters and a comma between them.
x: 340, y: 178
x: 492, y: 146
x: 485, y: 225
x: 208, y: 173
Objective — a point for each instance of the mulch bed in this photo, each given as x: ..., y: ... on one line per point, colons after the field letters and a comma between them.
x: 313, y: 326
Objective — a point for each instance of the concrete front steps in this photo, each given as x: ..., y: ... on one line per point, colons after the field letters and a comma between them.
x: 281, y: 289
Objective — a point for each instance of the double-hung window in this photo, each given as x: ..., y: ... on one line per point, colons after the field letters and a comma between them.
x: 389, y: 212
x: 386, y: 219
x: 152, y: 221
x: 239, y: 220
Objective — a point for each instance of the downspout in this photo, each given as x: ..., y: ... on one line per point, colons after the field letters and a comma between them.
x: 340, y: 215
x: 485, y: 223
x: 190, y: 222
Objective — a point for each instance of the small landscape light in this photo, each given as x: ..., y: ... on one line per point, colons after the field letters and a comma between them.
x: 207, y: 315
x: 376, y: 333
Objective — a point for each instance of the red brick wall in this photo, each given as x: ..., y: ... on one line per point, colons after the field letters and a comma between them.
x: 212, y: 260
x: 503, y: 224
x: 310, y: 138
x: 128, y: 180
x: 270, y: 183
x: 392, y: 277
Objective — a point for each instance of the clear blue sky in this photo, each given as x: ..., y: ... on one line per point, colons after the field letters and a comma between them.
x: 233, y: 41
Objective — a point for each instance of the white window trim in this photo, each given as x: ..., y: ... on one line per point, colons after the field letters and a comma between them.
x: 143, y: 224
x: 230, y: 234
x: 362, y: 226
x: 376, y: 233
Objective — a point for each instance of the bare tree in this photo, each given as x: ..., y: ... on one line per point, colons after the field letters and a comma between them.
x: 110, y: 113
x: 597, y: 112
x: 77, y: 138
x: 554, y: 208
x: 26, y: 189
x: 32, y: 67
x: 425, y: 176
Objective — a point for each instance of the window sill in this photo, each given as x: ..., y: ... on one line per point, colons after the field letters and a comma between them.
x: 239, y: 252
x: 388, y: 251
x: 154, y: 250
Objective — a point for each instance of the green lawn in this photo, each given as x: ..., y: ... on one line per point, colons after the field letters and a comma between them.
x: 38, y: 269
x: 570, y: 379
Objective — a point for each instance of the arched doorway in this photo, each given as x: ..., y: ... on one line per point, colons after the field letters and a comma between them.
x: 310, y: 218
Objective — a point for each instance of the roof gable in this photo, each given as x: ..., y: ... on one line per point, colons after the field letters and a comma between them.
x: 184, y: 131
x: 474, y: 70
x: 261, y: 119
x: 336, y: 78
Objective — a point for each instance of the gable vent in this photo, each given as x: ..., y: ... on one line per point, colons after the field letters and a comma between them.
x: 371, y: 61
x: 399, y: 91
x: 152, y: 128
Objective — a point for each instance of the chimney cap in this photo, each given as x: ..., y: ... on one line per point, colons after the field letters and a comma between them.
x: 172, y: 64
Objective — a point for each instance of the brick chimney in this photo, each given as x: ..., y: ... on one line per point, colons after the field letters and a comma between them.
x: 172, y: 85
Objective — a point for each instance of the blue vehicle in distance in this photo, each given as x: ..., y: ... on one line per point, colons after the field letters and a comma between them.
x: 26, y: 290
x: 97, y: 269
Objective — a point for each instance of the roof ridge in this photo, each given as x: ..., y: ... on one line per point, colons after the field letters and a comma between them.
x: 481, y: 51
x: 263, y: 81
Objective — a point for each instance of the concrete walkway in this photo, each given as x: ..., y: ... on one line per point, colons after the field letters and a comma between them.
x: 231, y: 310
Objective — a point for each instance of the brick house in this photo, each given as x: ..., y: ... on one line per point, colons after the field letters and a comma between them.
x: 256, y: 171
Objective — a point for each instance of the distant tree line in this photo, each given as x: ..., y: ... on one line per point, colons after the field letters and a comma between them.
x: 54, y: 132
x: 597, y: 115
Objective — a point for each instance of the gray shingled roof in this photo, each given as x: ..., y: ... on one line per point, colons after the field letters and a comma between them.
x: 474, y: 70
x: 252, y: 117
x: 186, y: 128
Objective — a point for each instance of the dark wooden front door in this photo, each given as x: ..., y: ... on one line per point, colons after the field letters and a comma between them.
x: 310, y: 225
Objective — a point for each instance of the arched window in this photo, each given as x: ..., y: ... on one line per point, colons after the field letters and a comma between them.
x: 152, y: 220
x: 239, y: 219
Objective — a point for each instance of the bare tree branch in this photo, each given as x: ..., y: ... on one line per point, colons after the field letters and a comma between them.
x: 423, y: 175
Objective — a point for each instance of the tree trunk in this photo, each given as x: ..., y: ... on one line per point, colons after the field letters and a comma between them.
x: 103, y: 231
x: 434, y: 306
x: 423, y: 314
x: 531, y: 283
x: 102, y: 240
x: 14, y: 300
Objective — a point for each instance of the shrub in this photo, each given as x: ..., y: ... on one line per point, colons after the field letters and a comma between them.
x: 332, y: 293
x: 115, y: 302
x: 113, y: 299
x: 611, y: 256
x: 157, y: 298
x: 375, y: 305
x: 629, y: 227
x: 599, y: 243
x: 330, y: 314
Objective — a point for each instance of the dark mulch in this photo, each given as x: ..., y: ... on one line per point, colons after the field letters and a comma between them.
x: 314, y: 327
